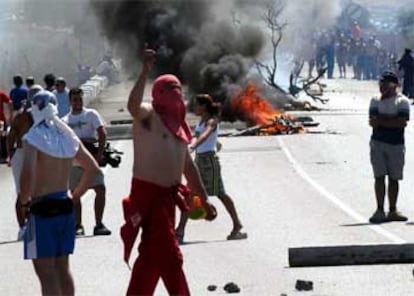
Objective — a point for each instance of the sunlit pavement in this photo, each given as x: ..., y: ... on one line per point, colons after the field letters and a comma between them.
x: 286, y: 190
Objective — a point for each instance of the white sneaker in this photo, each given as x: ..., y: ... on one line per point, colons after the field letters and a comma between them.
x: 20, y: 234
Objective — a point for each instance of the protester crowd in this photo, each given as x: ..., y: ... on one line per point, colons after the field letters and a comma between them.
x: 362, y: 53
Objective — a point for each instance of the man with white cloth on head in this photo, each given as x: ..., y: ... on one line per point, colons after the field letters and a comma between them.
x: 50, y: 146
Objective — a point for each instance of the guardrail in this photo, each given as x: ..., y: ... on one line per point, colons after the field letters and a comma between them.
x: 93, y: 87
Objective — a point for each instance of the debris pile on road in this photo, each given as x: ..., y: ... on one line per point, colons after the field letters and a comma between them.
x: 311, y: 87
x: 262, y: 118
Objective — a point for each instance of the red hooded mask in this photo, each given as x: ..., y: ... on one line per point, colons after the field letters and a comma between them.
x: 169, y: 104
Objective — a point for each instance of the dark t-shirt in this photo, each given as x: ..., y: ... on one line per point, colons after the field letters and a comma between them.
x: 18, y: 95
x: 396, y: 107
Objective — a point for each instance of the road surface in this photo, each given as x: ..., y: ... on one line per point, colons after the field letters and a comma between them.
x: 312, y: 189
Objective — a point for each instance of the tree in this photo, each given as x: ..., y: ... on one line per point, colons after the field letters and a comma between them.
x: 272, y: 18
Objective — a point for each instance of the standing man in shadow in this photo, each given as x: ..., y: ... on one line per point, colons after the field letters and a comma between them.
x: 388, y: 117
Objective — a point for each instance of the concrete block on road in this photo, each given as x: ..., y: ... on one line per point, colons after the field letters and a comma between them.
x: 103, y: 81
x: 351, y: 255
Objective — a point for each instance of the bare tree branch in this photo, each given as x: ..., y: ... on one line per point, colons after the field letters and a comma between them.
x: 272, y: 18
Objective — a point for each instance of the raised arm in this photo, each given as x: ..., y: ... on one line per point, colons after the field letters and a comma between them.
x: 137, y: 92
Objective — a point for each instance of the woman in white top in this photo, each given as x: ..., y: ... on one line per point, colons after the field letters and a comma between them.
x: 208, y: 163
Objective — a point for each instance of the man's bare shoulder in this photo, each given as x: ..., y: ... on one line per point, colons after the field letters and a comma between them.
x: 146, y: 107
x: 145, y: 111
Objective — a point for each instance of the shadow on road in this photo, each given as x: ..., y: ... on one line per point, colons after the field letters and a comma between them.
x: 362, y: 224
x: 91, y: 236
x: 9, y: 242
x: 202, y: 242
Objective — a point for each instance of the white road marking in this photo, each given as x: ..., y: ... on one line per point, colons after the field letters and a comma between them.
x: 335, y: 200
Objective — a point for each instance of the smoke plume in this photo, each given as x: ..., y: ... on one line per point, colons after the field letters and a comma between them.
x: 196, y: 40
x: 44, y: 36
x: 207, y: 43
x: 305, y: 18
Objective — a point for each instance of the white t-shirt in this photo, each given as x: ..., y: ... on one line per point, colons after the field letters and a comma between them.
x: 85, y: 124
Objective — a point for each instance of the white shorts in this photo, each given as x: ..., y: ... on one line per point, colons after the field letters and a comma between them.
x: 16, y: 164
x: 387, y: 159
x: 76, y: 174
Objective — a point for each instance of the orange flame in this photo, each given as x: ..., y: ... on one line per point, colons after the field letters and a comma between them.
x: 255, y: 109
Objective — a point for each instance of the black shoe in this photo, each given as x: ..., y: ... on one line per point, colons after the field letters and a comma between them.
x: 79, y: 230
x: 100, y: 229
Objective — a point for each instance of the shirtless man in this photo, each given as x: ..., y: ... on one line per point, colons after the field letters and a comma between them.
x: 161, y: 157
x: 19, y: 126
x: 50, y: 146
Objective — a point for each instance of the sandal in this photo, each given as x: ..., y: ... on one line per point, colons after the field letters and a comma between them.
x: 235, y: 235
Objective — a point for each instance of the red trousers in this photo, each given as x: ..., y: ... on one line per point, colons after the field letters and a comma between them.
x: 159, y: 253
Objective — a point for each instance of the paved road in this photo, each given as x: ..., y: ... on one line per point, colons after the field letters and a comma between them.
x: 311, y: 189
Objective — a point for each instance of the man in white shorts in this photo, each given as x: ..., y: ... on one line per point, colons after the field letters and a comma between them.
x: 388, y: 116
x: 89, y: 126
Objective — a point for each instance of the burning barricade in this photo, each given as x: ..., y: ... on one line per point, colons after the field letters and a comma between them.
x: 262, y: 118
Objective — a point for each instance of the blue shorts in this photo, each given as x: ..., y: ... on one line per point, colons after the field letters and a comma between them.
x: 47, y: 237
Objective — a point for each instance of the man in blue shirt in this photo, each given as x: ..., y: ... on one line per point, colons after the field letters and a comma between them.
x: 62, y: 96
x: 19, y: 93
x: 388, y: 116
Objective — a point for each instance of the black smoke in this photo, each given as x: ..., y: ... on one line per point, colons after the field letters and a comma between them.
x: 199, y: 41
x: 169, y: 27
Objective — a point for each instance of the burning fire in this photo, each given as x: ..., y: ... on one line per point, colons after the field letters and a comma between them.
x: 257, y: 111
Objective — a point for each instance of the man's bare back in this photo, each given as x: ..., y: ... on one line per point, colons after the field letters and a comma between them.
x: 41, y: 169
x: 45, y: 176
x: 164, y: 164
